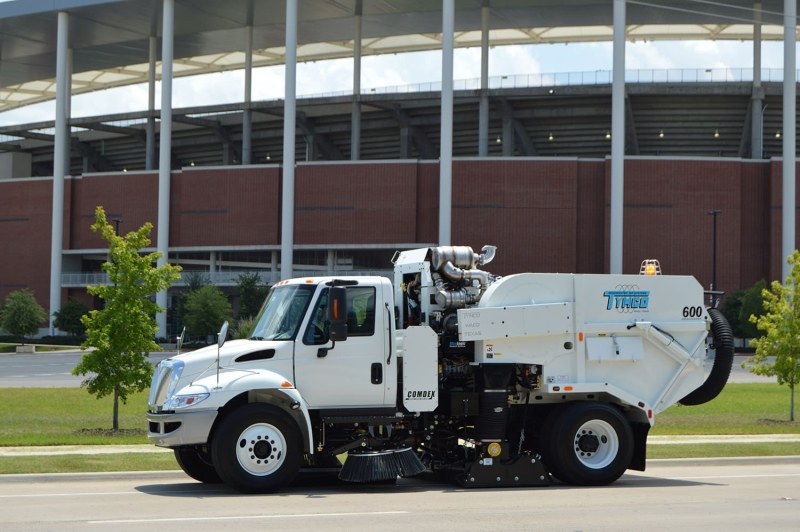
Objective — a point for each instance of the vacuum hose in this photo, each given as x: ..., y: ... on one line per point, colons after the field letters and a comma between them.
x: 723, y: 362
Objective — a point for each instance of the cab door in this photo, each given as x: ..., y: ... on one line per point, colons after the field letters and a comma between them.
x: 350, y: 373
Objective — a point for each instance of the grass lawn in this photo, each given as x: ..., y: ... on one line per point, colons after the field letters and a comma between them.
x: 68, y: 416
x: 79, y: 463
x: 752, y: 408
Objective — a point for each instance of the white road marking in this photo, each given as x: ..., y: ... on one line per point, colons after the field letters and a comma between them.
x: 87, y: 494
x: 239, y: 517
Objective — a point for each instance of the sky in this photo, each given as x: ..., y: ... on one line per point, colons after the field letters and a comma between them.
x: 414, y: 68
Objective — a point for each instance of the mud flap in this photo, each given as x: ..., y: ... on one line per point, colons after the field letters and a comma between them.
x: 523, y: 470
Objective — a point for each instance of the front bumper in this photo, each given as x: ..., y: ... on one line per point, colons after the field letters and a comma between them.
x: 180, y: 428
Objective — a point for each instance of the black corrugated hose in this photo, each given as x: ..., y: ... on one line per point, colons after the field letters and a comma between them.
x: 723, y: 361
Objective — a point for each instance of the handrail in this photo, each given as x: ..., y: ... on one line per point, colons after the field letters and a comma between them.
x: 562, y: 79
x: 224, y: 278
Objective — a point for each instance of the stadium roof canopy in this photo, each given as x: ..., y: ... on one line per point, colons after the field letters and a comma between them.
x: 110, y: 38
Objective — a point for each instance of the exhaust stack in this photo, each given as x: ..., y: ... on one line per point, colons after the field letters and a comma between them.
x: 458, y: 264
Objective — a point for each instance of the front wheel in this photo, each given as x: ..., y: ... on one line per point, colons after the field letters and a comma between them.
x: 590, y: 444
x: 256, y: 448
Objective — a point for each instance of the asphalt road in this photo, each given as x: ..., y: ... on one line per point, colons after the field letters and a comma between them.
x: 48, y: 370
x: 51, y: 370
x: 739, y: 494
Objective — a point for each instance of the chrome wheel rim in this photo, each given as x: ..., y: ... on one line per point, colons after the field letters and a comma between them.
x: 261, y: 449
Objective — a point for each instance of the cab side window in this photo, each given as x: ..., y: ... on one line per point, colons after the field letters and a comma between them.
x: 360, y: 310
x: 317, y: 331
x: 360, y: 315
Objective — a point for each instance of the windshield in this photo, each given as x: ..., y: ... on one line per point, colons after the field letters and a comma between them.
x: 282, y: 313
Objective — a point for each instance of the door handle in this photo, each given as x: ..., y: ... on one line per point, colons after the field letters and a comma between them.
x: 377, y: 373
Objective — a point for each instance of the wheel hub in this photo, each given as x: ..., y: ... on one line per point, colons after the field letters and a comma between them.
x: 596, y: 444
x: 588, y: 442
x: 261, y: 449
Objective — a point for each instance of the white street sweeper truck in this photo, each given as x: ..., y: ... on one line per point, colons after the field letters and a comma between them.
x: 491, y: 381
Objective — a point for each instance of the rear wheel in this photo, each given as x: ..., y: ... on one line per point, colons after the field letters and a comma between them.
x: 257, y: 449
x: 590, y: 444
x: 196, y: 462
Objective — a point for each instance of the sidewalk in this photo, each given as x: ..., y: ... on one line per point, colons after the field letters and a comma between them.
x: 80, y: 449
x: 147, y: 448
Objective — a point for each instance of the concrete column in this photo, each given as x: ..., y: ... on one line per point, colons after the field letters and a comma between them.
x: 617, y: 138
x: 59, y: 171
x: 150, y: 143
x: 68, y: 114
x: 405, y: 142
x: 247, y: 114
x: 289, y: 124
x: 331, y: 261
x: 789, y: 129
x: 355, y: 121
x: 311, y: 147
x: 508, y: 133
x: 212, y: 262
x: 757, y: 100
x: 165, y: 152
x: 483, y: 108
x: 446, y: 147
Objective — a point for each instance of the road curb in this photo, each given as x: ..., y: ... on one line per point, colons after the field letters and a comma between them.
x: 723, y: 438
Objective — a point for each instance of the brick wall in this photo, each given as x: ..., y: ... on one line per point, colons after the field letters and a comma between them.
x: 225, y: 207
x: 544, y: 214
x: 25, y: 231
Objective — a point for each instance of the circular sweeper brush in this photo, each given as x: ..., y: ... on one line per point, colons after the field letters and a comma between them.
x: 377, y: 466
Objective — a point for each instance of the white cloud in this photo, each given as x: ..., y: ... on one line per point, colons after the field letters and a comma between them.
x: 647, y: 55
x: 513, y: 59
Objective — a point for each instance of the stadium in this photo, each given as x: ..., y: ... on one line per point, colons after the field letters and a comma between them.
x: 566, y: 172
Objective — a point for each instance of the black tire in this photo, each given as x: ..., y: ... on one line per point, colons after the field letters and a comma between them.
x: 545, y: 441
x: 590, y: 444
x: 257, y: 448
x: 723, y: 362
x: 196, y: 462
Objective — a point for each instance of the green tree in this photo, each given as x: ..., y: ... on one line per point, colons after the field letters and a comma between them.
x: 243, y: 328
x: 122, y: 333
x: 196, y: 280
x: 731, y: 308
x: 752, y: 305
x: 70, y: 317
x: 205, y: 310
x: 251, y: 294
x: 780, y: 325
x: 21, y: 314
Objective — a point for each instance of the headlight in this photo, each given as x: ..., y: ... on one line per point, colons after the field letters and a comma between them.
x: 176, y: 402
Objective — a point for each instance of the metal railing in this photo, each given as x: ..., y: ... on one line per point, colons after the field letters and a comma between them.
x: 224, y: 278
x: 596, y: 77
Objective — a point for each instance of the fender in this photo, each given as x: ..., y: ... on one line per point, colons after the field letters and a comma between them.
x: 260, y: 386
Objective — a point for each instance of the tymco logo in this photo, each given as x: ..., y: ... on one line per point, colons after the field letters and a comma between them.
x: 627, y: 298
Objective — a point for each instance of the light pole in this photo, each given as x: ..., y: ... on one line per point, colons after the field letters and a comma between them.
x: 713, y: 287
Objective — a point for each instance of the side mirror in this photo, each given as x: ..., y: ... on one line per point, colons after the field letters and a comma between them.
x: 180, y: 340
x: 223, y: 334
x: 337, y: 313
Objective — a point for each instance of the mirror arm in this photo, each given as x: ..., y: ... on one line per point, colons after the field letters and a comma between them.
x: 322, y: 352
